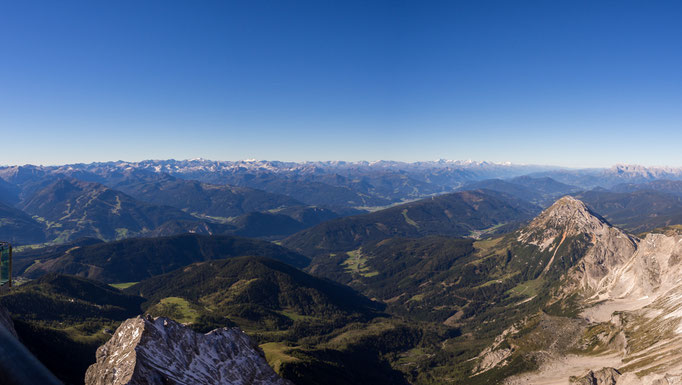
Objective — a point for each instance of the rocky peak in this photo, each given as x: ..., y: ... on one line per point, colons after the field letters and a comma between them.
x: 568, y: 215
x: 570, y: 220
x: 160, y: 351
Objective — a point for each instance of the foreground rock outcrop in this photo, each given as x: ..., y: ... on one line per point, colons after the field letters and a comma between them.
x: 146, y: 351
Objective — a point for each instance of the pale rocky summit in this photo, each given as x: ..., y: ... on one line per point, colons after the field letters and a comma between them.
x: 146, y: 351
x: 568, y: 215
x: 629, y: 291
x: 570, y: 220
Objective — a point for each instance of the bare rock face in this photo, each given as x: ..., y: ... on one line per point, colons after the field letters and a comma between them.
x: 655, y: 267
x: 145, y: 351
x: 495, y: 354
x: 570, y: 219
x: 6, y: 321
x: 605, y: 376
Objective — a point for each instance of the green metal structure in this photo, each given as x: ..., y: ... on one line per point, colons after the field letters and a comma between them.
x: 5, y: 265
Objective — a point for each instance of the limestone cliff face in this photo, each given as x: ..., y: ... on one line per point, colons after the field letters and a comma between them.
x: 654, y: 268
x: 145, y: 351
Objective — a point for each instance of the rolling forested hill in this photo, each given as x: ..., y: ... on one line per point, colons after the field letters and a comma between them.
x: 132, y: 260
x: 460, y: 214
x: 72, y: 209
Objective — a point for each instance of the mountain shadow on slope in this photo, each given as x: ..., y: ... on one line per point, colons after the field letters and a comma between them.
x: 18, y: 227
x: 135, y: 259
x: 25, y: 257
x: 9, y: 193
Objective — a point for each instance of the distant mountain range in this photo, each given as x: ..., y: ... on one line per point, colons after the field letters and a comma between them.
x: 345, y: 184
x: 201, y: 198
x: 542, y: 191
x: 637, y: 211
x: 273, y: 200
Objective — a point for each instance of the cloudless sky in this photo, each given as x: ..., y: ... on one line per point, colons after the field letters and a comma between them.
x: 564, y: 82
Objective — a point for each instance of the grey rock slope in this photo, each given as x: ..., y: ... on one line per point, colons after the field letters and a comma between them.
x: 145, y: 351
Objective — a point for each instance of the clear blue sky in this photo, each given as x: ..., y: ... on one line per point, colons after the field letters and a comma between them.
x: 575, y: 83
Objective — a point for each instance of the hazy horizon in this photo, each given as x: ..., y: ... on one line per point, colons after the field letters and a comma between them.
x: 462, y: 161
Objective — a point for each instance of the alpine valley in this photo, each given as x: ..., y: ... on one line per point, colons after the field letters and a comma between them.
x: 265, y: 272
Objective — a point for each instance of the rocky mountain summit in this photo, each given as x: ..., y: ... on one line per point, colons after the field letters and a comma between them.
x: 588, y: 239
x: 621, y: 303
x: 161, y: 351
x: 567, y: 215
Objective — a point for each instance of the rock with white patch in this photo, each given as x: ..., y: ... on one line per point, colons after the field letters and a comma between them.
x: 495, y: 355
x: 146, y: 351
